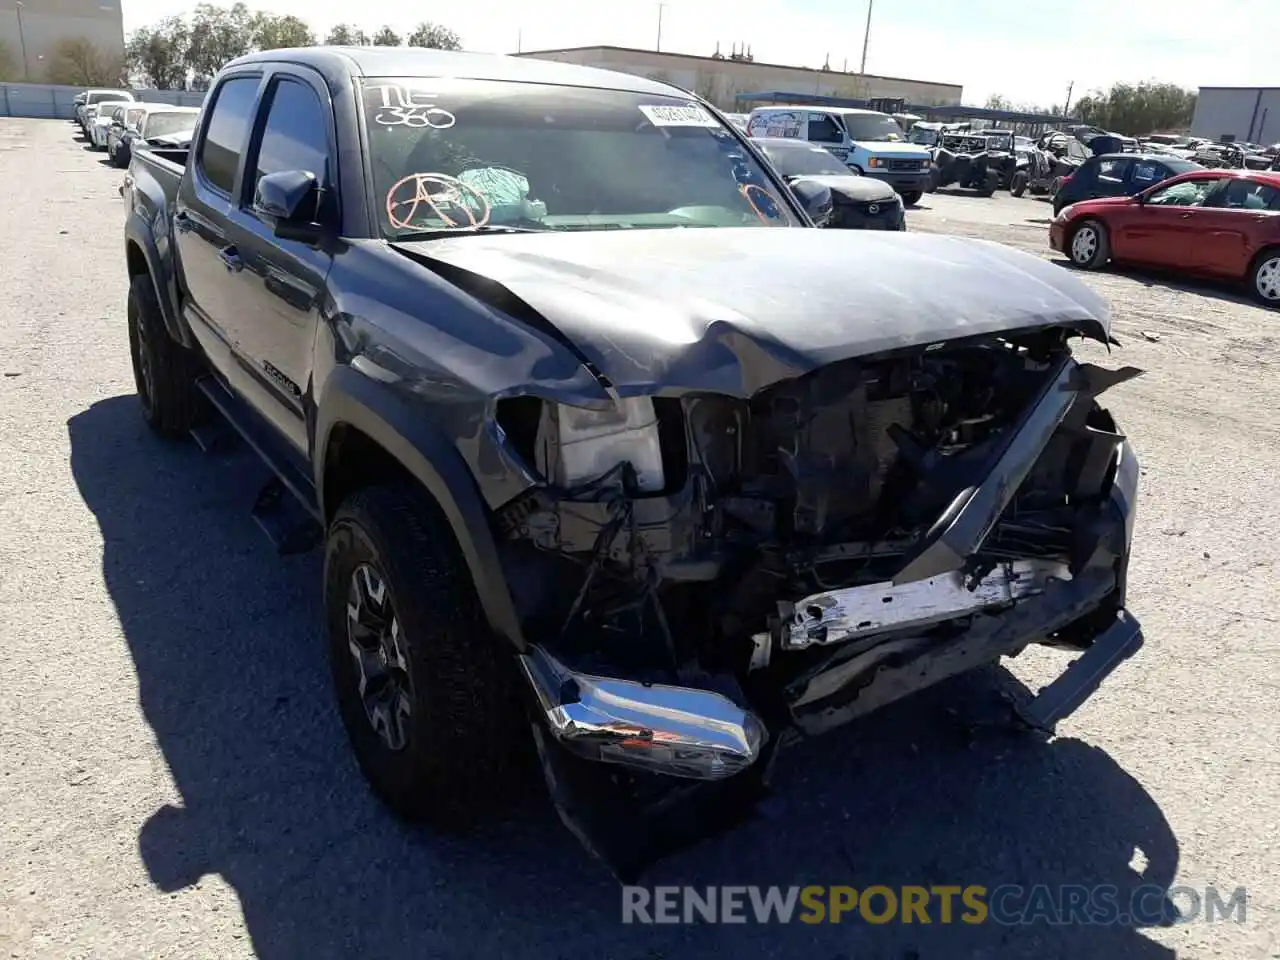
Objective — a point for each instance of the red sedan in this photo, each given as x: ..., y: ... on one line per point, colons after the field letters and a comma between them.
x: 1221, y: 223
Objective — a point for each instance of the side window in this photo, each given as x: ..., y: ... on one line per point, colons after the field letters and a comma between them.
x: 295, y: 136
x: 227, y: 131
x: 1147, y: 172
x: 822, y: 129
x: 1245, y: 195
x: 1113, y: 170
x: 1188, y: 193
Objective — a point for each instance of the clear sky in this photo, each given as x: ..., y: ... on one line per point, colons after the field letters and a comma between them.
x: 1027, y: 52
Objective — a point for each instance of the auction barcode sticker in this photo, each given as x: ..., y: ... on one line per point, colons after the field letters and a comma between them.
x: 678, y: 115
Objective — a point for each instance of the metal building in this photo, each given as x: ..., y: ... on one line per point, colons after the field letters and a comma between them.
x: 721, y: 78
x: 1243, y: 113
x: 30, y: 30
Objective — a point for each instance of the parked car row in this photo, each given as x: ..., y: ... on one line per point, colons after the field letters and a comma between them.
x: 117, y: 122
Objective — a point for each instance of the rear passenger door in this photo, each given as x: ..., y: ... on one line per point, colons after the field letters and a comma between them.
x: 1235, y: 222
x: 201, y: 221
x: 283, y: 280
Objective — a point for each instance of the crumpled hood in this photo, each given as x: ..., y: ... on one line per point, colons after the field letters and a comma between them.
x: 735, y: 310
x: 861, y: 189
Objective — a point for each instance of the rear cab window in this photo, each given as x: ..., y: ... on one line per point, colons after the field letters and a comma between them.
x: 227, y: 131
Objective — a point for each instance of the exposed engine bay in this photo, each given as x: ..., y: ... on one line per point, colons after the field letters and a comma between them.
x: 700, y: 572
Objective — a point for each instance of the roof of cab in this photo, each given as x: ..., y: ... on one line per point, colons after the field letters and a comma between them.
x: 337, y: 63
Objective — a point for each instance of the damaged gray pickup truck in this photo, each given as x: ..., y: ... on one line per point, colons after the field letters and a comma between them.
x: 612, y: 454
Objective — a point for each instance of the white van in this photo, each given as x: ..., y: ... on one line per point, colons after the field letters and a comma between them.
x: 870, y: 143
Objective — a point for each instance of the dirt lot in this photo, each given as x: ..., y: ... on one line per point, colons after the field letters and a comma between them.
x: 176, y: 783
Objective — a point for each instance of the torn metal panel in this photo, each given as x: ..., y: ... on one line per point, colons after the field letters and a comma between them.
x: 856, y: 612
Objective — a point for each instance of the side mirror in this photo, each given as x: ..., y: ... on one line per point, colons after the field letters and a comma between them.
x: 291, y: 198
x: 815, y: 199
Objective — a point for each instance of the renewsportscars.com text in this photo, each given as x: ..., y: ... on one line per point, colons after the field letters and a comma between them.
x: 1008, y: 904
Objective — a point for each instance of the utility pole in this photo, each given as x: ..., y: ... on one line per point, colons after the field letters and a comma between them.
x: 658, y: 46
x: 1066, y: 107
x: 22, y: 41
x: 866, y: 38
x: 519, y: 40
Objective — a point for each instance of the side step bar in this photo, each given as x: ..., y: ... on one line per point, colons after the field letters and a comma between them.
x: 291, y: 523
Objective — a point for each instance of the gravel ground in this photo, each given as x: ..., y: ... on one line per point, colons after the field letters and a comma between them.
x: 176, y: 783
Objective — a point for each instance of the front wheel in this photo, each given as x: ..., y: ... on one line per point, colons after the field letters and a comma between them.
x: 427, y: 694
x: 1089, y: 248
x: 911, y: 197
x: 1019, y: 185
x: 1265, y: 277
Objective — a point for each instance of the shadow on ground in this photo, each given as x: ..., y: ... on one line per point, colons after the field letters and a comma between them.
x: 1169, y: 279
x: 232, y: 677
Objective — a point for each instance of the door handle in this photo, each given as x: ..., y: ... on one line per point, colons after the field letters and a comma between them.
x: 230, y: 258
x: 1187, y: 216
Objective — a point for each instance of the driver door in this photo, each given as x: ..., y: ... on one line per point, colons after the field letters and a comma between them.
x: 1161, y: 230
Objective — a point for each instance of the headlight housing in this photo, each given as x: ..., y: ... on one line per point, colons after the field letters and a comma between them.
x: 590, y: 443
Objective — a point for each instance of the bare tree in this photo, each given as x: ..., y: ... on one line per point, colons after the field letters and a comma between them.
x: 427, y: 34
x: 77, y: 62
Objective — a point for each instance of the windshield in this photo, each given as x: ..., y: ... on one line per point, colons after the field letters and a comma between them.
x: 455, y: 154
x: 801, y: 160
x: 925, y: 136
x: 871, y: 126
x: 163, y: 124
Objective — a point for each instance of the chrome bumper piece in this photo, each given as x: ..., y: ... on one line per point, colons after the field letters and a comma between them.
x: 678, y: 731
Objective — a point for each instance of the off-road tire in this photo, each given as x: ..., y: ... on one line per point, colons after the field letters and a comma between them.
x: 1264, y: 275
x: 989, y: 184
x: 1089, y: 256
x: 911, y: 197
x: 1018, y: 186
x: 468, y: 743
x: 171, y: 402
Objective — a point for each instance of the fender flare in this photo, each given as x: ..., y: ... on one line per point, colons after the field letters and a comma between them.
x: 137, y: 231
x: 374, y: 409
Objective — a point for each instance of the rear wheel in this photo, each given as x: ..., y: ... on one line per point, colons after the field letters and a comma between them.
x: 1265, y: 277
x: 427, y: 694
x: 1019, y: 185
x: 164, y: 371
x: 1088, y: 247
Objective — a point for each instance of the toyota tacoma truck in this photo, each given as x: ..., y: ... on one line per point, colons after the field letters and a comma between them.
x: 620, y: 468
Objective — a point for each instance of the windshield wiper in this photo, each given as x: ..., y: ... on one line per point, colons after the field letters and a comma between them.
x: 442, y: 232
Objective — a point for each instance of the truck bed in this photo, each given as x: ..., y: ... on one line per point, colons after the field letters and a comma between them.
x: 154, y: 175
